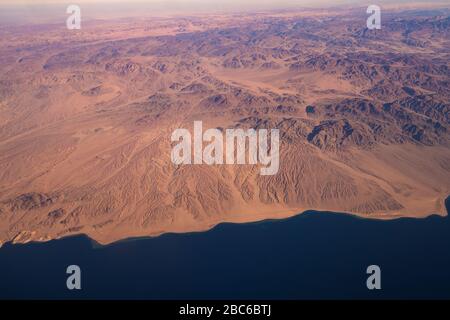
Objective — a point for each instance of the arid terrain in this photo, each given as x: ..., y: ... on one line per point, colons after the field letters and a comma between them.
x: 86, y: 118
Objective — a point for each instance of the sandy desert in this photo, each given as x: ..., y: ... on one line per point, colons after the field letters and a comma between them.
x: 86, y: 118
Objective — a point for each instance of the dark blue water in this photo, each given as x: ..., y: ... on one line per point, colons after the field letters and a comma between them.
x: 314, y: 255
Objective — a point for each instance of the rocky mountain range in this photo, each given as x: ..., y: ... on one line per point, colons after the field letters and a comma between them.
x: 86, y: 118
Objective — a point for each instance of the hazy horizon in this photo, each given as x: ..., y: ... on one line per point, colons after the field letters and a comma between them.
x: 27, y: 11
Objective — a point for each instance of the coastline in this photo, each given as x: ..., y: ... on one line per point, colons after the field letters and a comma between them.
x: 98, y: 245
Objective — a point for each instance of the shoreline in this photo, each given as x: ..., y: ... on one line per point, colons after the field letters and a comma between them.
x: 98, y: 245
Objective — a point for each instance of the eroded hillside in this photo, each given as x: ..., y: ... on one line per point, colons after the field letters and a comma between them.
x: 86, y: 119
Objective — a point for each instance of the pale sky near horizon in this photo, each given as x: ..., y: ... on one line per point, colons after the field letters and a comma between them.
x: 173, y: 1
x: 211, y: 2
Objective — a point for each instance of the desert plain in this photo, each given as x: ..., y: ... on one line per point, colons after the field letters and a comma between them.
x: 86, y: 118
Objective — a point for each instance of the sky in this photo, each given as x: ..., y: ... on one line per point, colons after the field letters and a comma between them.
x: 197, y: 4
x: 236, y: 2
x: 210, y: 3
